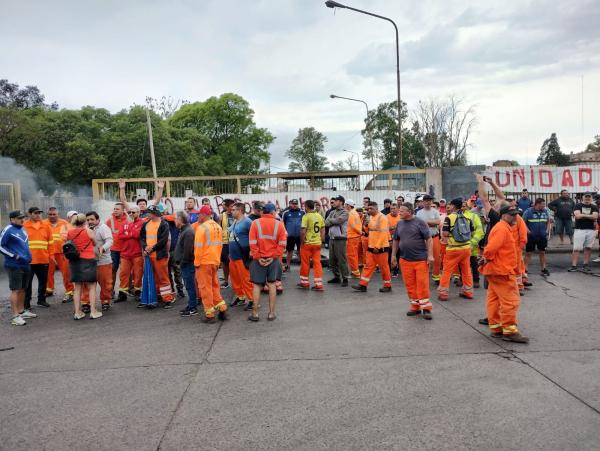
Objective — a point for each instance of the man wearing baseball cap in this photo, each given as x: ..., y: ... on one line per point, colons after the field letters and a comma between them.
x: 586, y: 216
x: 499, y: 264
x: 41, y: 244
x: 354, y: 238
x: 17, y: 256
x: 337, y: 222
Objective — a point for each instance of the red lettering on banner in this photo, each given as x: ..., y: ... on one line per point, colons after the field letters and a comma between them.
x: 567, y: 179
x: 585, y: 176
x: 547, y: 181
x: 518, y: 173
x: 507, y: 179
x: 531, y: 176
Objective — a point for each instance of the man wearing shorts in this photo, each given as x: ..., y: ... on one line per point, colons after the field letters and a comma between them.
x: 14, y: 245
x: 267, y: 240
x: 586, y: 215
x: 563, y: 214
x: 538, y: 223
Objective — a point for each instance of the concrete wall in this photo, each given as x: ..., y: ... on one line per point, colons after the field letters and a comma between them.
x: 433, y: 179
x: 459, y: 181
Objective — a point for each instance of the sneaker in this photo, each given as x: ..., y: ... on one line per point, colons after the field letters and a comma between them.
x: 236, y: 302
x: 497, y: 334
x: 360, y: 288
x: 27, y: 314
x: 68, y: 298
x: 43, y: 304
x: 516, y: 338
x: 225, y: 284
x: 188, y: 312
x: 484, y: 321
x: 344, y: 283
x: 385, y: 289
x: 249, y: 306
x: 586, y: 268
x: 413, y: 313
x: 334, y: 280
x: 572, y: 269
x: 78, y: 316
x: 545, y: 272
x: 96, y: 315
x: 18, y: 321
x: 427, y: 315
x: 105, y: 307
x: 596, y: 260
x: 85, y: 308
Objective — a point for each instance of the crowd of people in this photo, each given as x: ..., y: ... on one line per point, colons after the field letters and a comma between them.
x: 141, y: 252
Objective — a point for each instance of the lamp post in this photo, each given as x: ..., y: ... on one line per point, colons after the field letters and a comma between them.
x: 333, y: 4
x: 333, y: 96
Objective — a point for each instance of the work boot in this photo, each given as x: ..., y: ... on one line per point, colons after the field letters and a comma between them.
x: 516, y: 338
x: 385, y: 289
x: 344, y: 282
x: 334, y: 280
x: 122, y: 297
x: 496, y: 334
x: 209, y: 320
x: 223, y: 315
x: 413, y: 313
x: 360, y: 288
x: 427, y: 315
x: 484, y: 321
x: 249, y: 306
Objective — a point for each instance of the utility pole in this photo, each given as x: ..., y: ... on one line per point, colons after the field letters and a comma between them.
x: 151, y: 143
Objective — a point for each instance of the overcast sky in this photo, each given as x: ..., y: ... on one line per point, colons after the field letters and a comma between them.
x: 519, y: 62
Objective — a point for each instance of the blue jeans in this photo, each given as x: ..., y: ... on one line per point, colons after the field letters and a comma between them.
x: 188, y: 273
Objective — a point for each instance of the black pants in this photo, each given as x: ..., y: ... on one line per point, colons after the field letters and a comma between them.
x: 175, y: 275
x: 41, y: 272
x: 474, y: 268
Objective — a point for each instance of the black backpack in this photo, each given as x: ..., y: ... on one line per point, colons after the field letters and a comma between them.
x: 70, y: 250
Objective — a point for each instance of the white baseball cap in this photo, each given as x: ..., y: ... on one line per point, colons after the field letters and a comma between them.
x: 71, y: 213
x: 350, y: 202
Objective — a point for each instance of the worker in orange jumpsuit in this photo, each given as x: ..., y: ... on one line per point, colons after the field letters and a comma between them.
x: 268, y: 239
x: 520, y: 233
x: 458, y: 252
x: 377, y: 252
x: 393, y: 218
x: 132, y: 261
x: 239, y: 255
x: 208, y: 245
x: 154, y: 236
x: 59, y: 229
x: 412, y: 237
x: 41, y: 244
x: 116, y: 220
x: 353, y: 243
x: 361, y: 253
x: 312, y: 235
x: 499, y: 265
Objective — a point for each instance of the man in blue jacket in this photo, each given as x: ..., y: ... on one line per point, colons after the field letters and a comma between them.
x: 538, y: 222
x: 14, y: 245
x: 292, y: 219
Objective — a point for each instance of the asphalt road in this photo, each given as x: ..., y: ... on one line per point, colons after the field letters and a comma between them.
x: 336, y: 370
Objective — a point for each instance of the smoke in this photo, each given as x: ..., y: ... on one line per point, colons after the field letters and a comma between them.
x: 11, y: 171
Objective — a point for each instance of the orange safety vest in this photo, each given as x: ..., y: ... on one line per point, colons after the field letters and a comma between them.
x: 208, y: 243
x: 59, y: 234
x: 354, y: 224
x: 40, y: 241
x: 152, y: 233
x: 379, y: 232
x: 268, y: 237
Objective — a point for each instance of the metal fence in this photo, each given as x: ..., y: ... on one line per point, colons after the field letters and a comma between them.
x: 63, y: 203
x: 393, y: 180
x: 10, y: 199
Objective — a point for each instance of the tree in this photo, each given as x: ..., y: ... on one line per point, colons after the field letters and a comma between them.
x: 349, y: 164
x: 165, y: 107
x: 306, y: 151
x: 594, y: 146
x: 444, y: 129
x: 550, y: 153
x: 235, y: 144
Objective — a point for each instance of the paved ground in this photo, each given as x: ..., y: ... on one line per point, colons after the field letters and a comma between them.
x: 337, y: 370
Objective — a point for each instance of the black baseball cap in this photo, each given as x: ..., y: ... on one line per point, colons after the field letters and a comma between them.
x: 16, y: 214
x: 427, y: 197
x: 587, y: 194
x: 458, y: 202
x: 294, y: 201
x: 35, y: 210
x: 340, y: 198
x: 154, y: 210
x: 508, y: 210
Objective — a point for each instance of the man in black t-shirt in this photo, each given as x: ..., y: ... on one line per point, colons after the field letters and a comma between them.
x: 586, y: 215
x: 563, y: 215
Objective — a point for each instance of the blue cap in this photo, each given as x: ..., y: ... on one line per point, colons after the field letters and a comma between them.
x: 269, y: 208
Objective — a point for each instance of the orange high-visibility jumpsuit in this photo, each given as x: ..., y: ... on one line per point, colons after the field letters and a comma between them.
x: 312, y: 224
x: 377, y: 252
x: 160, y: 267
x: 353, y: 244
x: 500, y: 271
x: 59, y: 236
x: 520, y: 233
x: 392, y: 223
x: 208, y: 244
x: 458, y: 257
x: 415, y: 275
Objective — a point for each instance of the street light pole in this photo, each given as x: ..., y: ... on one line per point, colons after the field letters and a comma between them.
x: 333, y: 4
x: 333, y: 96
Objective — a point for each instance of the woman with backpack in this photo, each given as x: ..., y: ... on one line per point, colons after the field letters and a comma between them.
x: 79, y: 250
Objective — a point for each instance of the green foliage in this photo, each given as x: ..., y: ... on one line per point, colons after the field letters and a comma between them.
x: 71, y: 147
x: 550, y: 153
x: 381, y: 139
x: 306, y: 151
x: 594, y: 146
